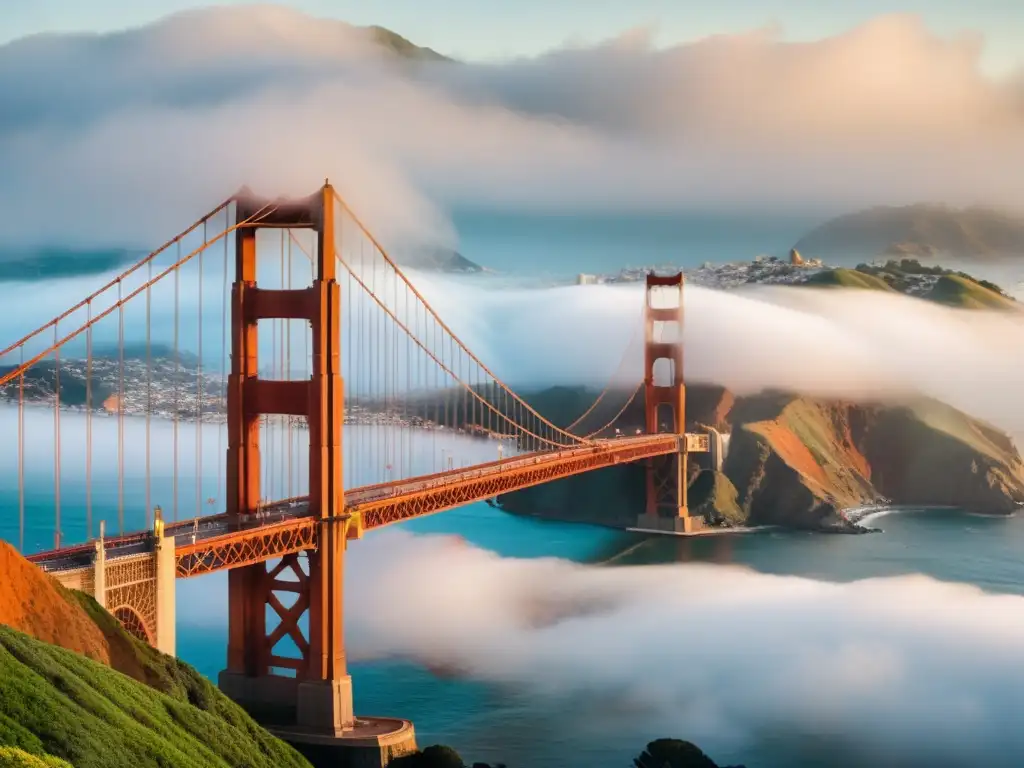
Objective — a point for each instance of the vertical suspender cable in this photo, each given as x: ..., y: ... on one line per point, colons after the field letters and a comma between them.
x: 199, y: 386
x: 21, y: 457
x: 88, y: 422
x: 120, y: 407
x: 177, y: 377
x: 56, y: 439
x: 149, y: 392
x: 288, y: 366
x: 221, y: 458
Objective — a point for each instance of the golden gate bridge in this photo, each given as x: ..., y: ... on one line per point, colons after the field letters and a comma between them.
x: 359, y: 378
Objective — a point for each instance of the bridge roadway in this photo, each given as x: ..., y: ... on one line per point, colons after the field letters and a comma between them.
x: 215, y: 542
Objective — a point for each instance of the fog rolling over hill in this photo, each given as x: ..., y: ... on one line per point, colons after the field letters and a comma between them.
x: 920, y: 231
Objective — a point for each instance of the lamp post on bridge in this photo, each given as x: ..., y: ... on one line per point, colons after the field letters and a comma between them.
x: 158, y: 523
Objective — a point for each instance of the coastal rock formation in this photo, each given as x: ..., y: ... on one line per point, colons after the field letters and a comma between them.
x: 713, y: 496
x: 798, y: 462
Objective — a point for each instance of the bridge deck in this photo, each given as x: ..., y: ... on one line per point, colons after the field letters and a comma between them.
x: 216, y: 542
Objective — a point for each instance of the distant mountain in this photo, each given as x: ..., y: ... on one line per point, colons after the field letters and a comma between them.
x: 403, y: 47
x: 43, y: 263
x: 50, y: 263
x: 441, y: 260
x: 920, y: 231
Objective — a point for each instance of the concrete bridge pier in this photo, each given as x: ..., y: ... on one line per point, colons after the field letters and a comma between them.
x: 138, y: 589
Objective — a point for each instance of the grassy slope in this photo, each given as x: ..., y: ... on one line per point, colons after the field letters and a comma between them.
x: 847, y: 278
x: 55, y: 702
x: 951, y: 290
x: 11, y: 757
x: 957, y: 291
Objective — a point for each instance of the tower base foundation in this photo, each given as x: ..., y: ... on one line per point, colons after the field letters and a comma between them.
x: 372, y: 742
x: 316, y: 718
x: 680, y: 524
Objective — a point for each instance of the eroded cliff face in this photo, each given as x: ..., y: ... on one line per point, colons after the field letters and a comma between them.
x: 798, y: 462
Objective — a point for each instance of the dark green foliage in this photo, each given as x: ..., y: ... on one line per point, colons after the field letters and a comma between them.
x: 56, y: 702
x: 437, y: 756
x: 673, y: 753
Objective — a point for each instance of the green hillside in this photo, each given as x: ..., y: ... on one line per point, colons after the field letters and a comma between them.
x: 57, y: 703
x: 11, y: 757
x: 910, y: 277
x: 957, y: 291
x: 847, y: 278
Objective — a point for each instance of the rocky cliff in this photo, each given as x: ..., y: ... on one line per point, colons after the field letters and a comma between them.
x: 798, y: 462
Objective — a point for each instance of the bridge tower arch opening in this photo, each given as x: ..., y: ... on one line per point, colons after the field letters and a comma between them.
x: 665, y: 406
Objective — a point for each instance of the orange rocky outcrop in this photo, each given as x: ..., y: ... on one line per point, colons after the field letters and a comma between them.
x: 34, y: 603
x: 797, y: 461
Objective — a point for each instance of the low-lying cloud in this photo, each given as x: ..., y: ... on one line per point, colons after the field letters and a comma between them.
x: 848, y: 344
x: 855, y: 345
x: 126, y: 136
x: 896, y: 671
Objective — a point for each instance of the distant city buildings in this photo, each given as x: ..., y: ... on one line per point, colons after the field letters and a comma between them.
x: 762, y: 269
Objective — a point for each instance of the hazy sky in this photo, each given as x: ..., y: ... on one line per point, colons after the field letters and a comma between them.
x: 483, y: 29
x: 132, y: 134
